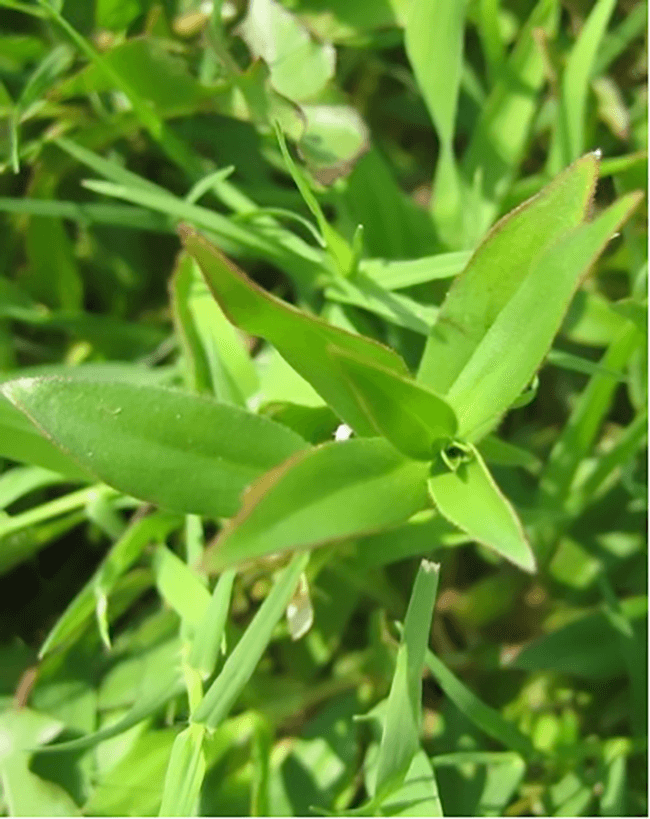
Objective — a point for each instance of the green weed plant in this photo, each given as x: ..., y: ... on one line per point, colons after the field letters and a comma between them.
x: 219, y: 489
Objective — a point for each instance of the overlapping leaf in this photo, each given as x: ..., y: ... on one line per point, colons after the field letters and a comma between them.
x: 185, y: 452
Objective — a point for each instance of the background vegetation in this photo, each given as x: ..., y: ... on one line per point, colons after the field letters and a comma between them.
x: 121, y: 118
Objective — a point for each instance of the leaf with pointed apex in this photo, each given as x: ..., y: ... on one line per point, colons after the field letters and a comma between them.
x: 469, y: 498
x: 185, y: 452
x: 301, y: 339
x: 331, y: 492
x: 415, y: 420
x: 513, y: 348
x: 497, y: 269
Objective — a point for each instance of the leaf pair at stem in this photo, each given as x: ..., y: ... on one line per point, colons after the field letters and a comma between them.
x: 193, y: 454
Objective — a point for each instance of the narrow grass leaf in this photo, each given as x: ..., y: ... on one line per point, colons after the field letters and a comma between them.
x: 497, y: 269
x: 569, y: 135
x: 122, y: 555
x: 415, y: 420
x: 169, y: 685
x: 513, y: 348
x: 338, y: 248
x: 301, y: 339
x: 218, y: 360
x: 400, y: 739
x: 580, y: 431
x: 499, y: 138
x: 179, y: 587
x: 578, y: 364
x: 89, y: 213
x: 497, y: 451
x: 418, y: 794
x: 434, y: 39
x: 21, y: 480
x: 394, y: 275
x: 469, y: 498
x: 395, y: 308
x: 607, y: 465
x: 207, y: 641
x: 238, y: 668
x: 185, y: 452
x: 486, y: 718
x: 331, y: 492
x: 270, y: 242
x: 185, y: 773
x: 110, y: 170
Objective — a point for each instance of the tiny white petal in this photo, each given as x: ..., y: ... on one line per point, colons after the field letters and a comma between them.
x: 343, y: 432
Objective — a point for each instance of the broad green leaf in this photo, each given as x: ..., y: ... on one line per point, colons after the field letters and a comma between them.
x: 513, y: 348
x: 331, y: 492
x: 185, y: 452
x: 468, y: 496
x: 239, y: 667
x: 498, y: 141
x: 497, y: 269
x: 488, y: 719
x: 334, y: 137
x: 415, y: 420
x: 21, y: 442
x: 400, y: 739
x: 301, y: 339
x: 185, y: 773
x: 300, y: 66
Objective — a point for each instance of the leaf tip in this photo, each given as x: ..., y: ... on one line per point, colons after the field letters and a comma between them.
x: 185, y: 232
x: 528, y: 564
x: 18, y: 387
x: 430, y: 567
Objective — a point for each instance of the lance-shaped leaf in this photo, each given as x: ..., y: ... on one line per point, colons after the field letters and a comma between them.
x: 497, y: 269
x: 185, y: 452
x: 301, y: 339
x: 513, y: 348
x: 466, y: 494
x: 334, y: 491
x: 415, y: 420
